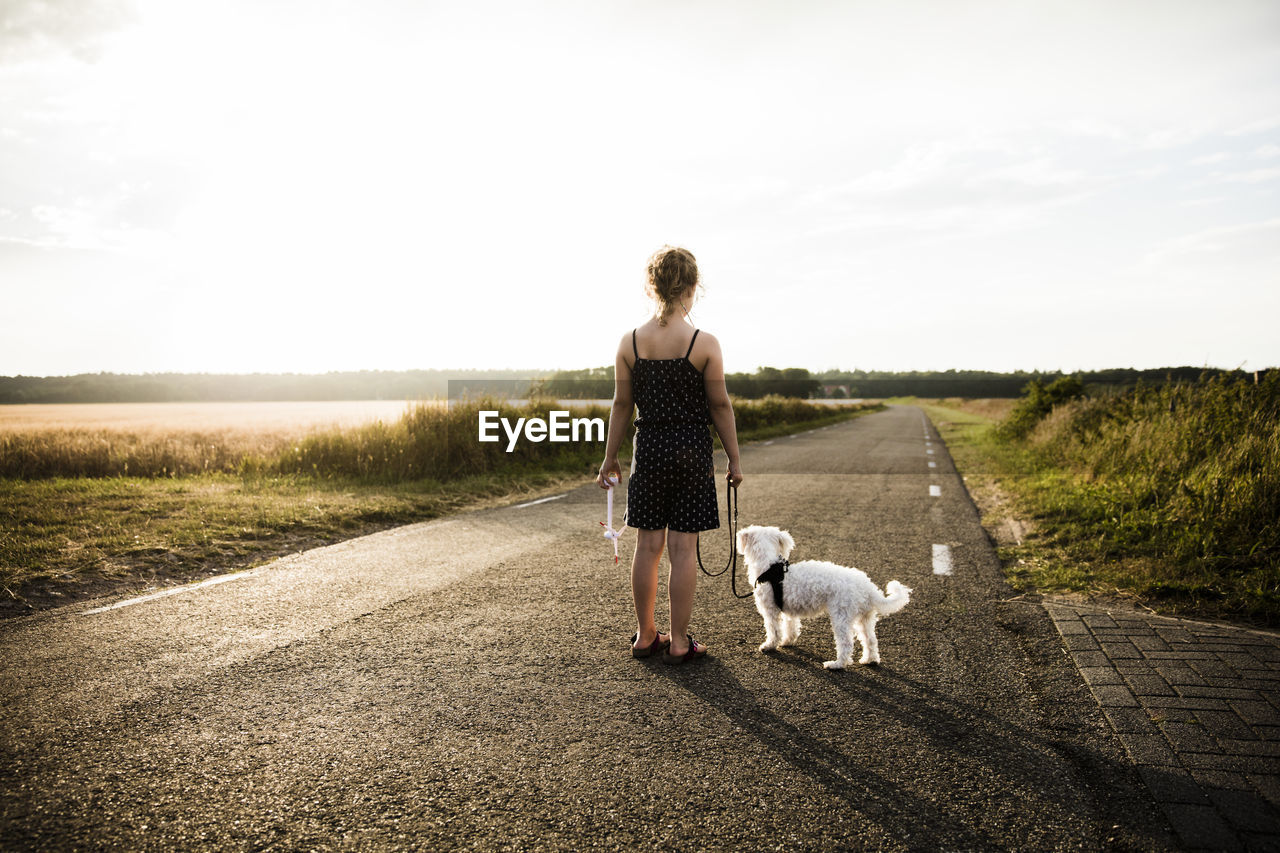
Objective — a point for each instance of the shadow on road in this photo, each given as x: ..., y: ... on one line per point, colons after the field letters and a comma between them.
x: 904, y: 725
x: 866, y: 792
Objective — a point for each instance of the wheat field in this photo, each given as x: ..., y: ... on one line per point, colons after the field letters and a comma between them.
x: 200, y: 417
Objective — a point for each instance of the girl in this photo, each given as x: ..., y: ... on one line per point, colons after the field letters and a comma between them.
x: 674, y: 375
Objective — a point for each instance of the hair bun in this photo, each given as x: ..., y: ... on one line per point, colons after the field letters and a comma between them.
x: 672, y: 272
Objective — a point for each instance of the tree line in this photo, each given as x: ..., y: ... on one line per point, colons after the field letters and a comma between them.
x: 597, y: 382
x: 263, y: 387
x: 975, y: 384
x: 594, y: 383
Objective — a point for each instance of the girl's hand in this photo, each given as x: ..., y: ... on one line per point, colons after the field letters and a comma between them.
x: 735, y: 474
x: 610, y: 466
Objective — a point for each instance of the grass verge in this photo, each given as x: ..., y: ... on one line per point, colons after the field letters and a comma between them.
x: 1059, y: 530
x: 67, y: 538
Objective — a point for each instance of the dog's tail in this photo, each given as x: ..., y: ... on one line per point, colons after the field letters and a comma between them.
x: 896, y: 597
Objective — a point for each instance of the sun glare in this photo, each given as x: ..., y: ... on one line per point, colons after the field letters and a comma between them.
x: 390, y: 185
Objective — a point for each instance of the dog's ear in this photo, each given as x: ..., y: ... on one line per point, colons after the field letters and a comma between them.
x: 785, y: 543
x: 744, y: 539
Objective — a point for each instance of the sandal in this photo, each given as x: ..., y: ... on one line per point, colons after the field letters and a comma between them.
x: 696, y: 650
x: 653, y: 648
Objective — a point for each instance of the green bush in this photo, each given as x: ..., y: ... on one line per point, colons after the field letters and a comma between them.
x: 1187, y: 475
x: 1038, y: 401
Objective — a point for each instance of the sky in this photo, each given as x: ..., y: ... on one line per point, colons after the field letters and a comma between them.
x: 288, y: 186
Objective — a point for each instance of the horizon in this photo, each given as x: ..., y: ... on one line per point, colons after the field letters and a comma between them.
x: 917, y: 184
x: 532, y: 372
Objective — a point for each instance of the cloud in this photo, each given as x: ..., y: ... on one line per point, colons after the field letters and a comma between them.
x: 34, y: 28
x: 1245, y: 241
x: 1199, y: 202
x: 1091, y: 128
x: 1252, y: 176
x: 966, y: 186
x: 1208, y: 159
x: 1172, y: 137
x: 1258, y: 126
x: 95, y: 225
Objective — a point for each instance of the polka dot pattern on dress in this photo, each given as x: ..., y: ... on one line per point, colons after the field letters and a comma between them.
x: 672, y: 482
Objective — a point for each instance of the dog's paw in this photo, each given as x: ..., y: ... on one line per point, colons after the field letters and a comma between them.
x: 832, y: 664
x: 869, y: 662
x: 768, y: 647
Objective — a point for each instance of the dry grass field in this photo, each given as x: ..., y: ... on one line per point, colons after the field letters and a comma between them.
x: 201, y: 417
x: 96, y: 497
x: 168, y: 439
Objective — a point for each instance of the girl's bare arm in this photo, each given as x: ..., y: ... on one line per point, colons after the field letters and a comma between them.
x: 722, y: 408
x: 619, y: 415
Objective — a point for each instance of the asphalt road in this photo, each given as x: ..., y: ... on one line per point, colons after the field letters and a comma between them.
x: 466, y: 683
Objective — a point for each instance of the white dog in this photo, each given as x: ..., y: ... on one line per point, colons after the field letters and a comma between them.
x: 811, y: 588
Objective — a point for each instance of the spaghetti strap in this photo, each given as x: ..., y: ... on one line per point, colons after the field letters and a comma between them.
x: 691, y: 340
x: 634, y: 351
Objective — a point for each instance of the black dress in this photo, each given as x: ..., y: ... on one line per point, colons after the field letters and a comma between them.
x: 672, y: 481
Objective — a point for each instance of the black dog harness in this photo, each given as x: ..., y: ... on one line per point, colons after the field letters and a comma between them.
x: 774, y: 576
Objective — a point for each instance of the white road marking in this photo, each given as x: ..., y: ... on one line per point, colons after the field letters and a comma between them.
x: 929, y: 452
x: 942, y: 559
x: 167, y: 592
x: 769, y: 442
x: 933, y: 464
x: 935, y: 491
x: 541, y: 501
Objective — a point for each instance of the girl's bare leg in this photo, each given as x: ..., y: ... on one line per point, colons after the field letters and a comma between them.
x: 644, y: 582
x: 682, y: 550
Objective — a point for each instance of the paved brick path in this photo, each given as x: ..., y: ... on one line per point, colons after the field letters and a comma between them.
x: 1197, y: 706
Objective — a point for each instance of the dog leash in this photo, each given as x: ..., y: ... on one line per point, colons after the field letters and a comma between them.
x: 730, y: 500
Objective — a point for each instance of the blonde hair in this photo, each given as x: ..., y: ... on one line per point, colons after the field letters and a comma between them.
x: 672, y: 272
